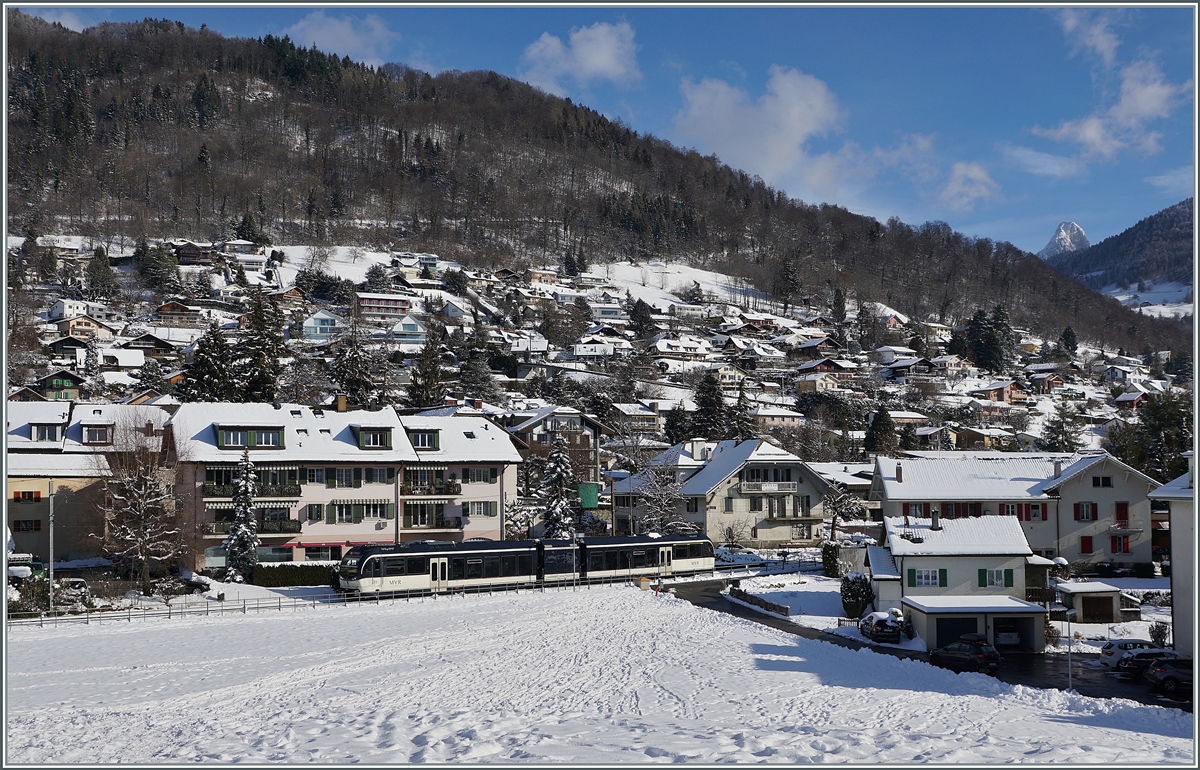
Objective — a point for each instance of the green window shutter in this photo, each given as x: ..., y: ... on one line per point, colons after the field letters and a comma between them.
x: 330, y: 478
x: 1008, y: 578
x: 941, y: 578
x: 391, y: 510
x: 391, y: 475
x: 330, y: 513
x: 912, y: 578
x: 251, y: 438
x: 495, y: 507
x: 358, y: 513
x: 302, y: 477
x: 387, y: 438
x: 282, y: 439
x: 407, y: 517
x: 370, y: 476
x: 358, y: 477
x: 221, y: 439
x: 360, y: 435
x: 492, y: 474
x: 983, y: 578
x: 436, y: 440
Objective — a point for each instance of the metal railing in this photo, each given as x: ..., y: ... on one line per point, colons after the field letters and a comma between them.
x: 1125, y: 526
x: 767, y: 486
x: 264, y: 490
x: 446, y: 488
x: 268, y: 527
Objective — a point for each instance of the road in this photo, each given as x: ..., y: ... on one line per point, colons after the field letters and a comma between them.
x: 1088, y: 676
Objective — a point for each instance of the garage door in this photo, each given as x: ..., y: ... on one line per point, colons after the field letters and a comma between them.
x: 949, y: 629
x: 1097, y: 609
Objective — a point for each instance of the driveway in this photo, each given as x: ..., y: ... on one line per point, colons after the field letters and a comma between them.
x: 1088, y: 675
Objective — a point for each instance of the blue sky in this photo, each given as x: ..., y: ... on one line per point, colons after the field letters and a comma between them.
x: 1000, y: 121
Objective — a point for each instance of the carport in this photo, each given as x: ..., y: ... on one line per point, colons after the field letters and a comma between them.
x: 1096, y: 602
x: 940, y: 620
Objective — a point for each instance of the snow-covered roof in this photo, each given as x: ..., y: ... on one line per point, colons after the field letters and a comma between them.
x: 128, y: 421
x: 970, y: 603
x: 23, y: 415
x: 1091, y: 587
x: 973, y: 536
x: 882, y: 566
x: 464, y: 438
x: 846, y: 474
x: 975, y: 475
x: 727, y: 457
x: 1175, y: 489
x: 310, y: 434
x: 56, y: 464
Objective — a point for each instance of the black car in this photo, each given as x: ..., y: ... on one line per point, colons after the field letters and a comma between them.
x: 175, y: 585
x: 1136, y: 661
x: 1173, y: 675
x: 880, y: 627
x: 970, y: 653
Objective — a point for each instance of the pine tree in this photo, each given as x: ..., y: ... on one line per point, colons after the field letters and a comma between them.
x: 258, y: 367
x: 908, y: 437
x: 241, y: 544
x: 94, y: 384
x: 709, y: 420
x: 101, y: 281
x: 741, y: 425
x: 1061, y: 431
x: 152, y: 377
x: 676, y: 425
x: 210, y: 375
x: 881, y: 434
x: 425, y: 387
x: 378, y: 280
x: 787, y: 283
x: 477, y: 380
x: 838, y: 309
x: 1068, y: 342
x: 352, y: 368
x: 557, y: 483
x: 640, y: 321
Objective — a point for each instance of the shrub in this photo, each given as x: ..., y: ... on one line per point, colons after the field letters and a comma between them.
x: 856, y: 594
x: 1143, y: 569
x: 1159, y: 631
x: 1052, y: 633
x: 830, y: 554
x: 281, y: 575
x: 1105, y: 570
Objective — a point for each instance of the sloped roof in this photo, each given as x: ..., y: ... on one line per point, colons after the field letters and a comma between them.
x: 727, y: 457
x: 976, y: 476
x: 464, y: 438
x: 974, y: 536
x: 882, y: 566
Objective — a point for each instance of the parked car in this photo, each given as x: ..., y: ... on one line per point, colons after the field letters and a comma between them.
x: 1111, y: 652
x: 880, y: 627
x: 970, y: 653
x: 176, y: 584
x: 73, y: 590
x: 1173, y: 675
x: 1136, y: 661
x: 1007, y: 635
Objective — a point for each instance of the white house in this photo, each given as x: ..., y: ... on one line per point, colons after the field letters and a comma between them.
x: 1180, y: 494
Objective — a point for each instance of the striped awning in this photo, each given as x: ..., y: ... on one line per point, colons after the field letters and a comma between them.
x: 361, y: 502
x: 222, y: 505
x: 424, y: 467
x: 430, y: 500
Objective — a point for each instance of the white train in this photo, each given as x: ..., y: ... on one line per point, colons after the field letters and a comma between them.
x: 436, y: 566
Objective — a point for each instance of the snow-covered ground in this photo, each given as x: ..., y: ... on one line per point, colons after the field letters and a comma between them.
x: 607, y: 675
x: 1165, y: 299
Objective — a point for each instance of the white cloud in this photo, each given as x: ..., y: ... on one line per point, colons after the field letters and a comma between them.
x: 1176, y: 183
x: 1144, y: 97
x: 1043, y: 163
x: 600, y: 52
x: 366, y: 40
x: 968, y: 183
x: 64, y: 16
x: 1090, y: 32
x: 766, y: 136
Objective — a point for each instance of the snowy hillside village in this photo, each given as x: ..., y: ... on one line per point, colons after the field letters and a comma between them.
x: 387, y: 397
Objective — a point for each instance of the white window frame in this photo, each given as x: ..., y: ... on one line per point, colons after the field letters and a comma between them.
x: 344, y: 477
x: 374, y: 438
x: 343, y: 513
x: 1008, y: 509
x: 316, y: 475
x: 47, y: 433
x: 375, y: 510
x: 995, y: 578
x: 926, y: 578
x: 1086, y: 513
x: 421, y: 440
x: 265, y: 438
x: 236, y: 438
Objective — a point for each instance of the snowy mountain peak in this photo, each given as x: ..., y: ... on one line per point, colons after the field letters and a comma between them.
x: 1067, y: 238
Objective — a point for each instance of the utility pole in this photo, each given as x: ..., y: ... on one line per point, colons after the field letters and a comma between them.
x: 50, y: 563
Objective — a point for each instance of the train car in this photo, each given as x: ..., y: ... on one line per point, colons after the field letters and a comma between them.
x: 604, y: 559
x: 377, y: 569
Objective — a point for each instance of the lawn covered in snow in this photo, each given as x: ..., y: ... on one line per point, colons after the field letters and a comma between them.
x: 606, y: 675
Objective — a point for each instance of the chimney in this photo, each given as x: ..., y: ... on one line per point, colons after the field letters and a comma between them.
x: 1057, y: 468
x: 340, y: 402
x: 936, y: 526
x: 478, y: 403
x: 899, y: 474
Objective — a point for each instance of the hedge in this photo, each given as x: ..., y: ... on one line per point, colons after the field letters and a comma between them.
x: 282, y: 575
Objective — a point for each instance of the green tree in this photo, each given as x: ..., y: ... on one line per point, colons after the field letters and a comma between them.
x: 676, y: 425
x: 1068, y: 342
x: 354, y: 369
x: 1062, y: 430
x: 741, y: 425
x: 210, y: 375
x: 260, y: 349
x: 456, y: 282
x: 99, y: 277
x: 640, y: 322
x: 152, y: 377
x: 787, y: 284
x: 558, y: 480
x: 477, y: 380
x: 378, y: 281
x: 709, y: 420
x: 881, y: 434
x: 241, y: 543
x: 425, y: 387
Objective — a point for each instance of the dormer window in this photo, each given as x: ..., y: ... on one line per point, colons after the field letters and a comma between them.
x: 234, y: 438
x: 374, y: 438
x: 46, y: 432
x: 97, y: 434
x: 268, y: 438
x: 239, y: 437
x: 424, y: 439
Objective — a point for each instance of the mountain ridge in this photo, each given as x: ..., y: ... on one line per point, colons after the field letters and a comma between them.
x: 1067, y: 238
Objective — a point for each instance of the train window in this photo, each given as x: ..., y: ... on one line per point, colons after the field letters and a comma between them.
x: 474, y: 568
x: 696, y: 550
x: 508, y: 566
x: 681, y: 552
x: 611, y: 559
x: 639, y: 559
x: 376, y: 567
x: 595, y: 561
x: 707, y: 550
x: 415, y: 565
x: 524, y: 564
x: 394, y: 565
x: 626, y: 558
x: 458, y: 569
x: 491, y: 566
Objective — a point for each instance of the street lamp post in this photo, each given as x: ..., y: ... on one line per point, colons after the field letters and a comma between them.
x: 50, y: 562
x: 1070, y: 644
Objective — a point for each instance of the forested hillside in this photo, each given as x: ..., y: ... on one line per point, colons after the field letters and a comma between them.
x: 1160, y: 248
x: 155, y: 129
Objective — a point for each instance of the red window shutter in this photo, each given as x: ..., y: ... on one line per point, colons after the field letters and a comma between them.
x: 1077, y: 515
x: 1123, y: 511
x: 16, y: 497
x: 37, y: 496
x: 1116, y: 544
x: 1044, y: 511
x: 925, y: 510
x: 1085, y: 544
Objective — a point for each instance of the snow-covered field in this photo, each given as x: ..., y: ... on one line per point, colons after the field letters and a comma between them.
x: 608, y: 675
x: 1165, y: 299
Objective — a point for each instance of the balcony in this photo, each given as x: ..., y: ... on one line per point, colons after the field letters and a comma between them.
x: 417, y: 490
x: 767, y: 486
x: 438, y: 523
x: 273, y: 527
x: 264, y: 490
x: 1126, y: 527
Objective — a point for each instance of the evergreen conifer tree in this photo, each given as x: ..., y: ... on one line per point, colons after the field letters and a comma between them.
x: 881, y: 434
x: 640, y: 322
x: 352, y: 368
x: 477, y: 380
x: 557, y: 482
x: 100, y: 279
x: 1068, y: 342
x: 94, y: 383
x: 210, y: 375
x: 378, y: 280
x: 258, y: 367
x: 425, y: 387
x: 152, y: 377
x: 241, y: 544
x: 676, y: 425
x: 1061, y: 431
x: 709, y: 420
x: 741, y: 425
